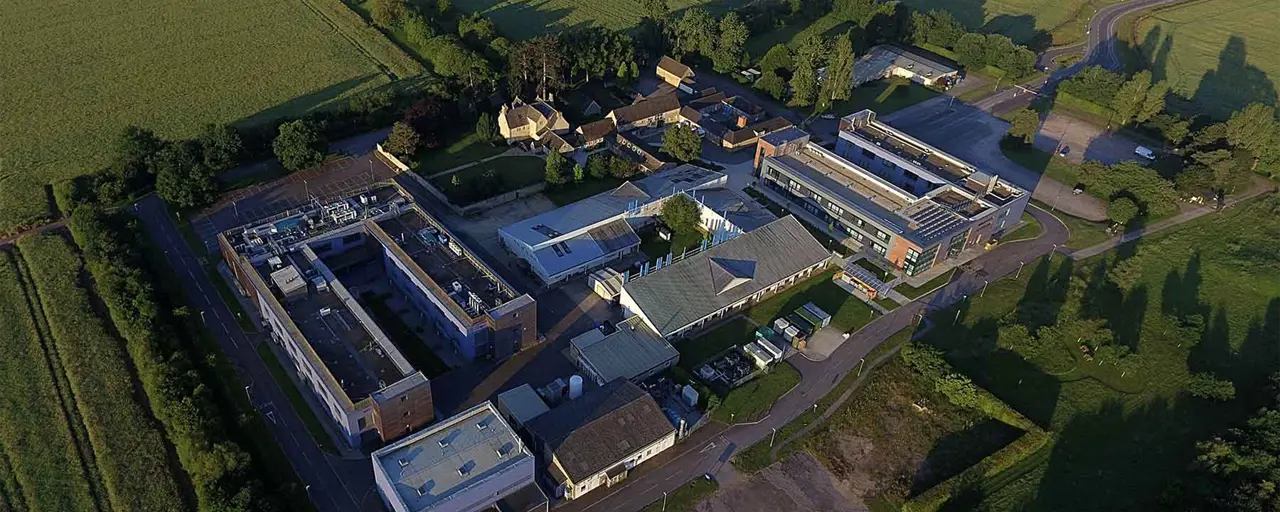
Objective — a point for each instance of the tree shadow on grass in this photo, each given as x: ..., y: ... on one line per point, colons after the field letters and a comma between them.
x: 1112, y: 460
x: 1234, y: 84
x: 1045, y: 294
x: 307, y: 103
x: 956, y: 451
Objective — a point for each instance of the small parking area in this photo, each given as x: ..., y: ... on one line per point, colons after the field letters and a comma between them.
x: 1084, y: 140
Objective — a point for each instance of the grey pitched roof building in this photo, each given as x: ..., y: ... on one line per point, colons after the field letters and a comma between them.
x: 602, y: 427
x: 631, y: 352
x: 687, y: 292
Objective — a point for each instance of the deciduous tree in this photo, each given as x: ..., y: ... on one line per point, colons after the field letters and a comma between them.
x: 970, y: 50
x: 773, y: 84
x: 1128, y: 100
x: 486, y: 130
x: 182, y: 178
x: 555, y: 168
x: 838, y: 84
x: 1122, y: 210
x: 1024, y: 125
x: 1153, y: 103
x: 696, y: 32
x: 681, y: 214
x: 299, y: 146
x: 804, y: 79
x: 777, y: 58
x: 386, y: 13
x: 221, y: 147
x: 682, y: 143
x: 403, y: 140
x: 731, y: 44
x: 1206, y: 385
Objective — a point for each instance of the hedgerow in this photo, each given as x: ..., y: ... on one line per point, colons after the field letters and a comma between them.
x: 34, y: 433
x: 129, y: 448
x: 221, y: 470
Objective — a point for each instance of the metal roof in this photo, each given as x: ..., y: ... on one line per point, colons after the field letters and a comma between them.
x: 632, y: 350
x: 432, y: 465
x: 561, y: 222
x: 689, y: 290
x: 523, y: 403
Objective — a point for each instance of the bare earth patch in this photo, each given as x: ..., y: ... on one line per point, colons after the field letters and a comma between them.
x: 796, y: 483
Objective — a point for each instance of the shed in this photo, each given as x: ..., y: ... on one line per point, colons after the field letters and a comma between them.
x: 521, y: 404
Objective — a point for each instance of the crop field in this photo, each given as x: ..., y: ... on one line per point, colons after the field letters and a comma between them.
x: 77, y: 73
x: 46, y: 461
x: 130, y: 451
x: 1220, y: 54
x: 523, y: 19
x: 1020, y: 19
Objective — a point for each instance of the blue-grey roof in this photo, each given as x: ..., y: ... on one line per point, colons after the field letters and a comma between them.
x: 784, y: 136
x: 572, y: 217
x: 688, y: 290
x: 424, y: 468
x: 632, y: 350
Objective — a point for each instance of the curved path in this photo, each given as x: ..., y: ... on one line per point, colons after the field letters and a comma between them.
x: 708, y: 454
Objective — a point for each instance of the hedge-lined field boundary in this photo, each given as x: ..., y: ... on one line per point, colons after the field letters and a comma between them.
x: 220, y: 469
x: 34, y: 430
x: 131, y: 452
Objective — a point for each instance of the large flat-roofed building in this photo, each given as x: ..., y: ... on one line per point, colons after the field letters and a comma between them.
x: 471, y: 462
x: 469, y: 304
x: 881, y: 190
x: 579, y: 237
x: 686, y: 295
x: 289, y: 266
x: 596, y: 440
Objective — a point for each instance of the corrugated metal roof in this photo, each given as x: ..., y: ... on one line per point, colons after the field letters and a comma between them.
x: 686, y: 291
x: 632, y: 350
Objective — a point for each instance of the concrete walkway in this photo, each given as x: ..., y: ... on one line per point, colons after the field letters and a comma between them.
x: 1088, y: 252
x: 508, y: 152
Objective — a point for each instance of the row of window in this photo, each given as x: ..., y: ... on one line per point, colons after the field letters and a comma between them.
x: 832, y: 210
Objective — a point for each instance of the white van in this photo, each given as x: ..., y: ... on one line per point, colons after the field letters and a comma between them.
x: 1143, y: 152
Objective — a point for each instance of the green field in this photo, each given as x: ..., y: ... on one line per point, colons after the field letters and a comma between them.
x: 749, y: 401
x: 523, y: 19
x: 1207, y: 300
x: 1064, y: 20
x: 1220, y: 54
x: 77, y: 73
x: 508, y: 173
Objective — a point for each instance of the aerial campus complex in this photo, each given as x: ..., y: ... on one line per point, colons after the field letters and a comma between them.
x: 314, y: 275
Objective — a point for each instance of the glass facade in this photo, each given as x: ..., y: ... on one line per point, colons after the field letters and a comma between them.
x: 917, y: 262
x: 957, y: 244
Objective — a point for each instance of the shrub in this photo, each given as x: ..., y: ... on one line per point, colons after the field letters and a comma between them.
x: 1205, y: 385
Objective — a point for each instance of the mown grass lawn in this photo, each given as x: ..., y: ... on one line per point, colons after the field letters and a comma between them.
x: 469, y: 148
x: 508, y: 173
x: 913, y: 292
x: 883, y: 96
x: 685, y: 498
x: 751, y: 400
x: 76, y: 74
x: 1031, y: 229
x: 847, y: 312
x: 654, y: 247
x: 1021, y: 19
x: 695, y: 351
x: 1207, y: 300
x: 1213, y: 52
x: 574, y: 192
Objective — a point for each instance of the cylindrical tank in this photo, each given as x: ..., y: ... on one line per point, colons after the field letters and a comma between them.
x: 575, y: 387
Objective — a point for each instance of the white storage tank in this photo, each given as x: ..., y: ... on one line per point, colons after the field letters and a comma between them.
x: 575, y: 387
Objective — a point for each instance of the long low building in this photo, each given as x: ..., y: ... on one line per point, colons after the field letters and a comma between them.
x: 885, y: 192
x: 579, y: 237
x: 473, y: 461
x: 686, y: 295
x: 289, y: 266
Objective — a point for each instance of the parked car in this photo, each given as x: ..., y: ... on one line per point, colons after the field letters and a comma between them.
x: 1144, y: 152
x: 1064, y: 150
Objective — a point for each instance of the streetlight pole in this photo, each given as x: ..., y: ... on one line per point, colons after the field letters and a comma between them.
x: 773, y: 435
x: 861, y: 363
x: 664, y: 501
x: 984, y: 288
x: 202, y: 316
x: 1051, y: 251
x: 1020, y: 264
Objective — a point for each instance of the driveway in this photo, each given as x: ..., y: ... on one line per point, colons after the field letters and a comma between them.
x: 974, y: 135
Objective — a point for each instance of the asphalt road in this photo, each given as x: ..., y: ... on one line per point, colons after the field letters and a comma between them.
x: 334, y: 484
x: 818, y: 378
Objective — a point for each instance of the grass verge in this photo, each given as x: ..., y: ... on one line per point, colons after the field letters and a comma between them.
x: 300, y: 405
x: 749, y: 401
x: 1029, y: 230
x: 685, y: 498
x: 914, y: 292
